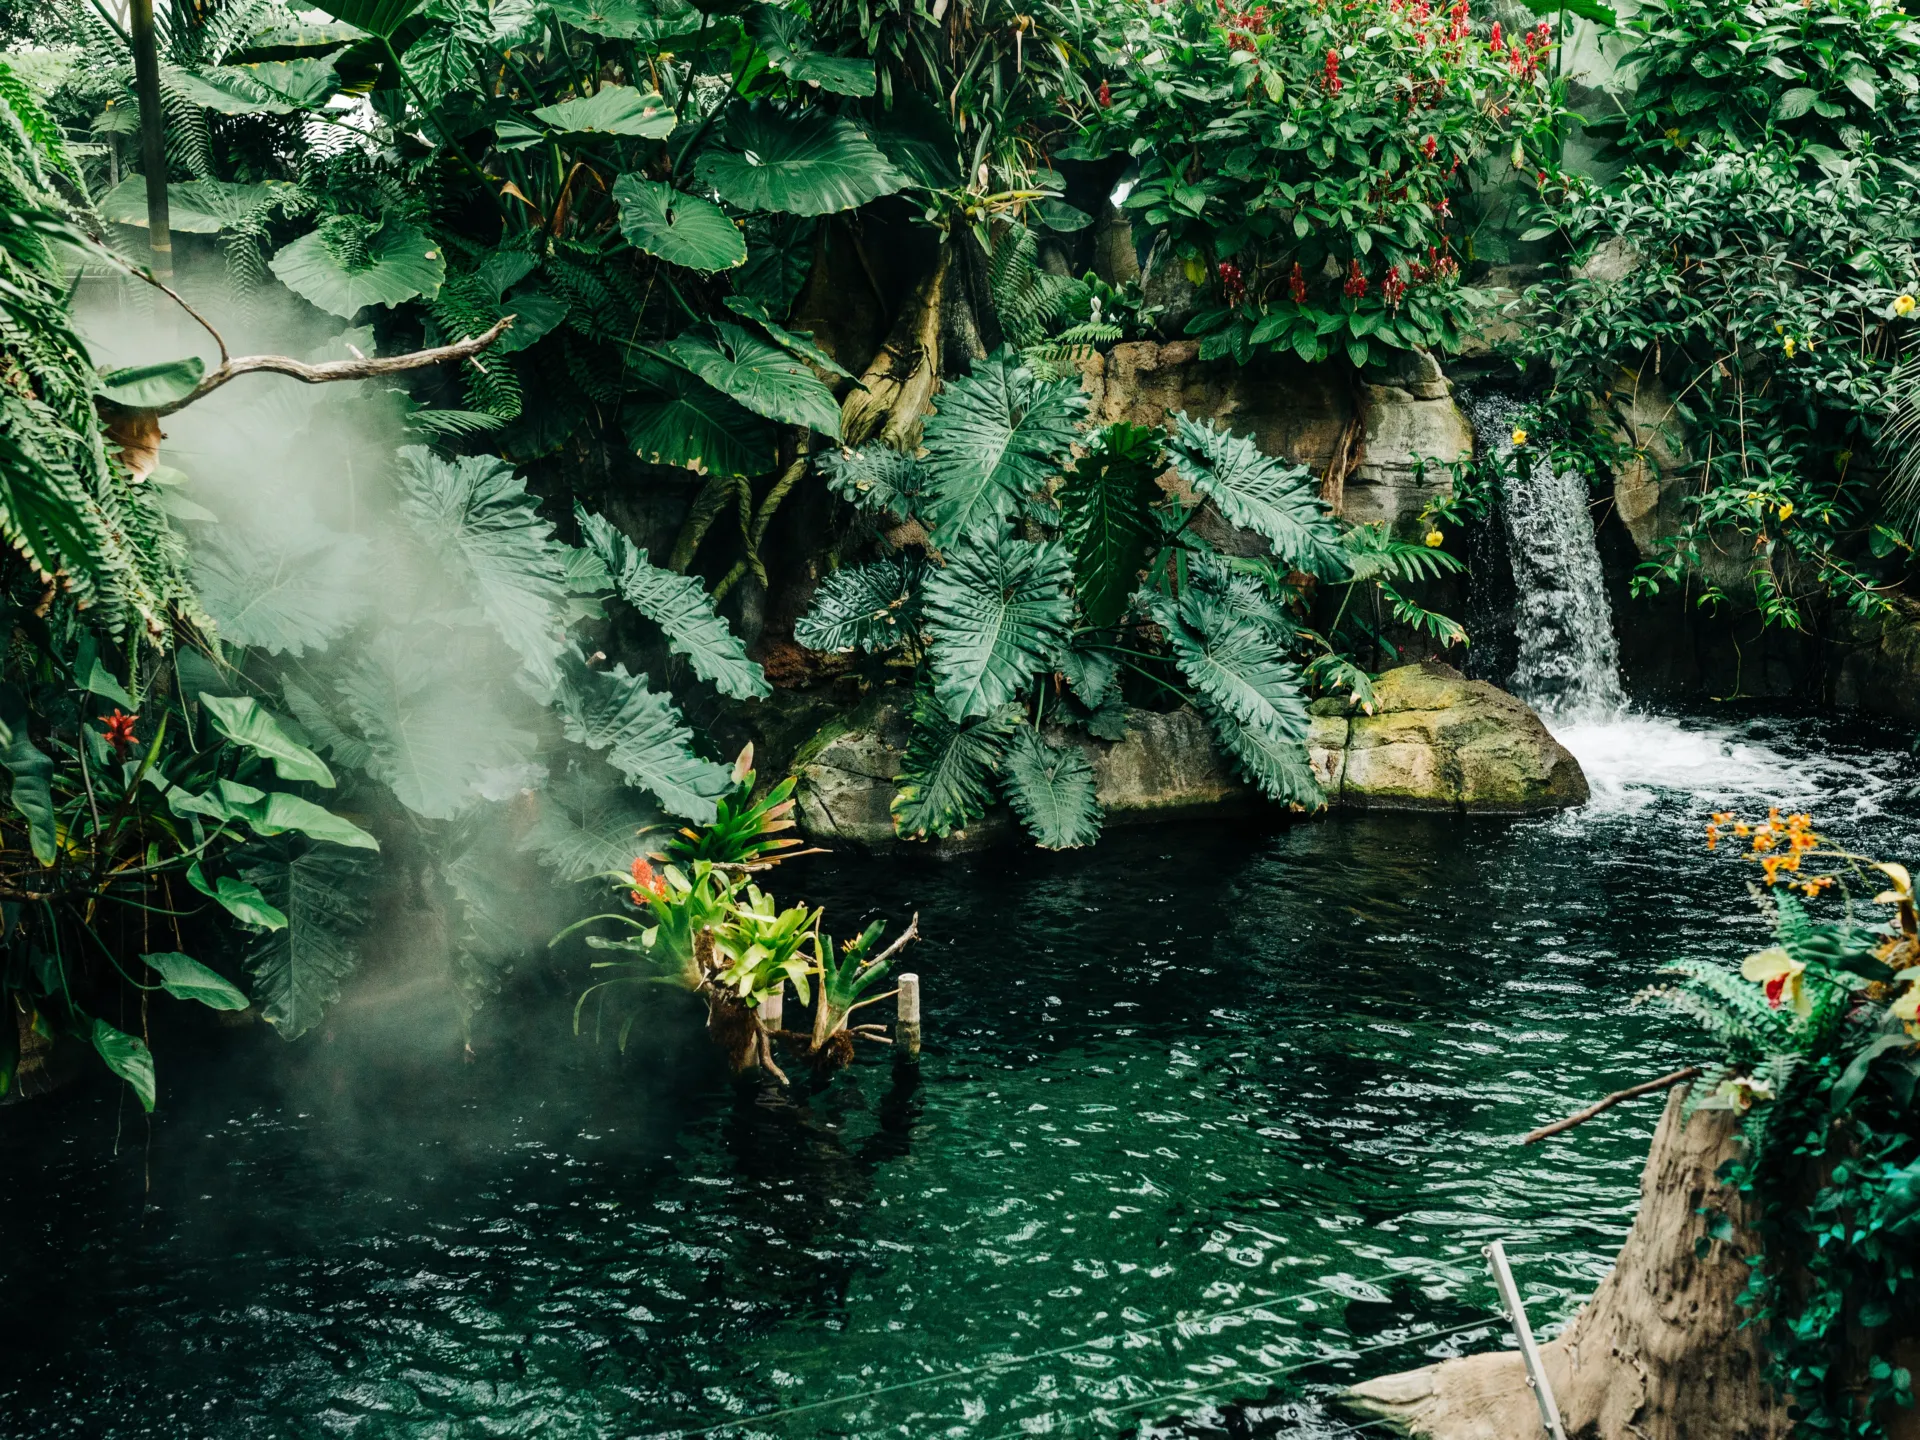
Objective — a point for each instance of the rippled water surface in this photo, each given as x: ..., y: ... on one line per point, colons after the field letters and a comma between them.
x: 1263, y: 1082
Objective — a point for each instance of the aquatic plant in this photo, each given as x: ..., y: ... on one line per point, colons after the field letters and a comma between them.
x: 1817, y: 1050
x: 704, y: 926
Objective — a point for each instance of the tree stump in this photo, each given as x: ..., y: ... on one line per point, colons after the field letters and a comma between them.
x: 1656, y: 1354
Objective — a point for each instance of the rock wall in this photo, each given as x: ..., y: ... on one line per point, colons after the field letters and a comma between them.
x: 1372, y: 430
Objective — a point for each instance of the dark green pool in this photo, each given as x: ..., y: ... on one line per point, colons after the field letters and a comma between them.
x: 1191, y: 1071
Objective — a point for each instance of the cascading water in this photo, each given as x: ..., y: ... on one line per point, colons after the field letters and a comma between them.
x: 1569, y: 665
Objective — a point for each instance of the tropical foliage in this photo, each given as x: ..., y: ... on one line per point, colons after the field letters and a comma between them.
x: 1814, y: 1048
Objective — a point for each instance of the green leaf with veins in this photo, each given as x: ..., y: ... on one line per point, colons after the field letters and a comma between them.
x: 643, y: 737
x: 613, y: 110
x: 676, y: 418
x: 786, y: 39
x: 185, y: 978
x: 1256, y: 492
x: 996, y: 436
x: 760, y: 376
x: 947, y: 775
x: 804, y: 163
x: 999, y: 613
x: 297, y: 970
x: 1051, y: 788
x: 681, y: 229
x: 128, y: 1057
x: 242, y: 720
x: 589, y: 823
x: 871, y: 607
x: 402, y: 264
x: 879, y: 479
x: 1104, y: 509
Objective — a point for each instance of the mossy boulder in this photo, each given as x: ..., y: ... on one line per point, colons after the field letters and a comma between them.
x: 1439, y: 741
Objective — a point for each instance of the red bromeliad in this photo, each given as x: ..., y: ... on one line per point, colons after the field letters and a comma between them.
x: 119, y: 732
x: 647, y: 881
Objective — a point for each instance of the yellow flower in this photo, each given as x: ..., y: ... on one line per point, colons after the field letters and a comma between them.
x: 1740, y: 1091
x: 1435, y: 539
x: 1786, y: 510
x: 1902, y: 884
x: 1779, y: 974
x: 1903, y: 305
x: 1907, y: 1008
x: 1788, y: 346
x: 1519, y: 436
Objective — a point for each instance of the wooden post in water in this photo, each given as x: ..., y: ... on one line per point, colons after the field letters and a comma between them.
x: 906, y: 1031
x: 773, y: 1009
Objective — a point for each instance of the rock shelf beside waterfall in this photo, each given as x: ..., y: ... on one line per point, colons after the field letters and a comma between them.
x: 1435, y: 741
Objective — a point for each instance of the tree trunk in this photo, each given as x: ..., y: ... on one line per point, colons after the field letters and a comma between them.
x: 1657, y: 1354
x: 153, y: 133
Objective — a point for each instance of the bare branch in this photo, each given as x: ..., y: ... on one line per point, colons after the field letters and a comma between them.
x: 337, y: 369
x: 1665, y: 1082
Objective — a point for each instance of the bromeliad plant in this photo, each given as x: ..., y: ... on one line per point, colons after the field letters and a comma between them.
x: 1817, y: 1042
x: 1304, y: 160
x: 1033, y: 584
x: 704, y: 926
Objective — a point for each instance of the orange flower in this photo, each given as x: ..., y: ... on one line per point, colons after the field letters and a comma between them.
x: 647, y: 881
x: 119, y: 732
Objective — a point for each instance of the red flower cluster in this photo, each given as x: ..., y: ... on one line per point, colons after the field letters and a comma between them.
x: 1105, y: 96
x: 1239, y: 40
x: 1526, y: 53
x: 1430, y: 147
x: 1495, y: 43
x: 1330, y: 79
x: 1457, y: 16
x: 1297, y: 284
x: 647, y: 881
x: 119, y: 732
x: 1443, y: 267
x: 1356, y: 286
x: 1393, y: 289
x: 1232, y: 283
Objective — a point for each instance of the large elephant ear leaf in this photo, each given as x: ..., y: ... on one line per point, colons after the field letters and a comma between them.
x: 681, y: 229
x: 1249, y: 692
x: 680, y: 606
x: 804, y: 163
x: 643, y: 738
x: 376, y: 17
x: 297, y: 970
x: 1104, y: 504
x: 996, y: 437
x: 1256, y: 492
x: 400, y: 264
x: 285, y: 589
x: 1052, y: 790
x: 878, y: 478
x: 612, y: 110
x: 476, y: 516
x: 870, y: 607
x: 678, y: 419
x: 242, y: 720
x: 786, y: 39
x: 589, y: 823
x: 649, y: 20
x: 946, y: 779
x: 761, y: 376
x: 999, y: 613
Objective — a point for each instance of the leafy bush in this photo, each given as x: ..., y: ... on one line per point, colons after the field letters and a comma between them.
x: 1305, y: 160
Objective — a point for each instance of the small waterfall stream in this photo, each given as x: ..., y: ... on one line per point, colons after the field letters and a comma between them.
x: 1569, y: 664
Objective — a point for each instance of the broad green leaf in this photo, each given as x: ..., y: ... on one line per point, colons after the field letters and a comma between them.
x: 680, y: 606
x: 878, y: 478
x: 271, y: 87
x: 1794, y: 103
x: 128, y: 1057
x: 994, y: 439
x: 946, y: 778
x: 100, y: 682
x: 649, y: 20
x: 1112, y: 533
x: 804, y: 163
x: 285, y: 589
x: 238, y: 898
x: 643, y: 737
x: 678, y: 419
x: 871, y: 607
x: 1090, y: 669
x: 779, y: 259
x: 476, y: 516
x: 298, y: 969
x: 1051, y: 789
x: 326, y: 732
x: 612, y: 110
x: 762, y: 377
x: 786, y: 39
x: 999, y: 613
x: 1249, y: 692
x: 242, y: 720
x: 1059, y: 216
x: 148, y: 387
x: 439, y: 741
x: 402, y: 263
x: 32, y: 772
x: 376, y: 17
x: 1256, y: 492
x: 681, y: 229
x: 185, y: 978
x: 589, y: 823
x: 197, y: 207
x: 797, y: 343
x: 325, y: 35
x: 917, y: 137
x: 278, y: 813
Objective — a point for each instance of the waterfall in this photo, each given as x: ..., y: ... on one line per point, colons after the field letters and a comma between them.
x: 1569, y: 666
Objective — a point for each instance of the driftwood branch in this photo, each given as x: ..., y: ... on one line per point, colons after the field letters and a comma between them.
x: 1665, y: 1082
x: 362, y: 369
